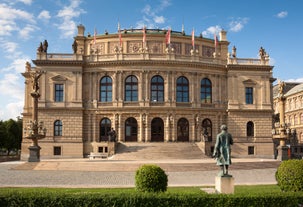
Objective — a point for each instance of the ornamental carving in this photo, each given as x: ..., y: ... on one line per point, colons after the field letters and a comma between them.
x: 134, y: 47
x: 155, y: 47
x: 207, y: 51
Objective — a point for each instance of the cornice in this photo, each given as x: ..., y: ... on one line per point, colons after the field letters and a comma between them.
x: 153, y: 63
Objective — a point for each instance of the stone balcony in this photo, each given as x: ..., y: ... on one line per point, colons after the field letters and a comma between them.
x: 150, y: 56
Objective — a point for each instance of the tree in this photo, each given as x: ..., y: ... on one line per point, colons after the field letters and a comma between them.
x: 11, y: 134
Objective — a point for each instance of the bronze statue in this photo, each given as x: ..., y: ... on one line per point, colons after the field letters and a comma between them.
x: 234, y: 52
x: 35, y: 80
x: 262, y: 53
x: 75, y: 45
x: 45, y: 46
x: 222, y: 151
x: 40, y: 48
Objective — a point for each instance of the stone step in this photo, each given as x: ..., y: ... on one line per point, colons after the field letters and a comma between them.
x: 157, y: 151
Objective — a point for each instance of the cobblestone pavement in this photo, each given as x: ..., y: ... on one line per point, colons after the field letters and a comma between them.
x: 112, y: 173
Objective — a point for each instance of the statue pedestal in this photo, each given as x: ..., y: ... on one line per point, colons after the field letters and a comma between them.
x: 225, y: 184
x: 34, y: 154
x: 282, y: 153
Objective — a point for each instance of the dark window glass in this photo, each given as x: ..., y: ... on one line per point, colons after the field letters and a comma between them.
x: 250, y: 129
x: 249, y: 95
x: 157, y: 89
x: 182, y: 90
x: 59, y: 92
x: 206, y: 91
x: 58, y: 128
x: 106, y: 89
x: 131, y: 88
x: 57, y: 150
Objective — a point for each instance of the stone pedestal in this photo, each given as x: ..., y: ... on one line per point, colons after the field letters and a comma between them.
x: 282, y: 153
x: 225, y: 184
x: 34, y: 154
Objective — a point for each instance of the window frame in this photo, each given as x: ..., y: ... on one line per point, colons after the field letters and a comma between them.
x: 106, y: 83
x: 59, y: 93
x: 205, y: 90
x: 156, y: 83
x: 131, y: 88
x: 58, y: 128
x: 182, y: 90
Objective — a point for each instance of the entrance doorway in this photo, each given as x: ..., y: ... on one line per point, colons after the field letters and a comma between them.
x: 105, y: 127
x: 183, y: 130
x: 131, y: 130
x: 157, y: 130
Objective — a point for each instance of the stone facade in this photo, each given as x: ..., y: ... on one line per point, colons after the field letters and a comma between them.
x: 150, y: 91
x: 293, y: 113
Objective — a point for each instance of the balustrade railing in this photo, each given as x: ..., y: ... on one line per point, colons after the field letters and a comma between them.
x: 150, y: 56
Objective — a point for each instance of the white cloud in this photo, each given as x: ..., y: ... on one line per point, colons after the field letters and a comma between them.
x: 299, y: 80
x: 11, y: 110
x: 211, y: 31
x: 28, y: 2
x: 11, y: 86
x: 9, y: 47
x: 237, y: 25
x: 282, y: 14
x: 18, y: 65
x: 9, y: 17
x: 159, y: 19
x: 67, y: 14
x: 151, y: 17
x: 26, y: 31
x: 44, y: 15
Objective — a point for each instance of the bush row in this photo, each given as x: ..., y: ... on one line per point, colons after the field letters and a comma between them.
x: 15, y: 198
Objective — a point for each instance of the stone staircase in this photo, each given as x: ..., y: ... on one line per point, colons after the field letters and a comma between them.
x: 157, y: 151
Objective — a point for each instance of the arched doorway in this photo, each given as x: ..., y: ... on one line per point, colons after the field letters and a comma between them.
x: 157, y: 130
x: 131, y: 130
x: 105, y: 127
x: 183, y: 130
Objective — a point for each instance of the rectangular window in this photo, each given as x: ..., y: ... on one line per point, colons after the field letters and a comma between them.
x: 57, y: 150
x: 59, y: 92
x: 100, y: 149
x: 251, y: 150
x: 249, y: 96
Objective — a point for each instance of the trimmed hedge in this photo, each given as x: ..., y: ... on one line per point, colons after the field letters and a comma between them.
x: 289, y: 175
x: 94, y: 199
x: 151, y: 178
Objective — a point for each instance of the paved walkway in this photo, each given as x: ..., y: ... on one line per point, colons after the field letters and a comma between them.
x: 118, y: 173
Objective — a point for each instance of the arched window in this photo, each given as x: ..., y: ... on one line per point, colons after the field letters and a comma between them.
x: 105, y: 127
x: 157, y: 89
x: 182, y: 89
x: 207, y: 130
x: 58, y: 128
x: 106, y: 89
x: 206, y: 91
x: 131, y: 88
x: 250, y: 129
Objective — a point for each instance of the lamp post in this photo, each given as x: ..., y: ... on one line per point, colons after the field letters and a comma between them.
x: 35, y: 130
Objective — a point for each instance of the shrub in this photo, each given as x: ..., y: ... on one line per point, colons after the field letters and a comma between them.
x: 151, y: 178
x: 289, y: 175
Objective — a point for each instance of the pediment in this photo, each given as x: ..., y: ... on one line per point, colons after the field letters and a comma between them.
x: 249, y: 82
x: 59, y: 78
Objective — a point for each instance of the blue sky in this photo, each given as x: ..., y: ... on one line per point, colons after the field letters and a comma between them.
x: 275, y: 25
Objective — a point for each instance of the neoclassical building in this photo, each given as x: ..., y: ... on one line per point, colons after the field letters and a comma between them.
x: 293, y: 113
x: 150, y: 85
